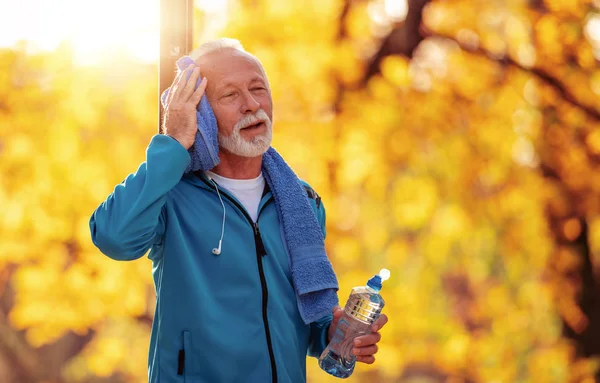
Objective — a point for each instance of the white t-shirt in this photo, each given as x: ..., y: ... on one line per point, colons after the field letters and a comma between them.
x: 248, y: 192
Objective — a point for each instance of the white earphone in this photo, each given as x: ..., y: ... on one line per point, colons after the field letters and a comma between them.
x: 217, y: 250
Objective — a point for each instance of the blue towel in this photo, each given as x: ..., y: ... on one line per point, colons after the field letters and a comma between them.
x: 204, y: 153
x: 313, y: 276
x: 314, y: 280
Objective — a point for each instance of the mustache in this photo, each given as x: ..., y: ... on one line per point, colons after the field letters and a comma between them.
x: 251, y: 119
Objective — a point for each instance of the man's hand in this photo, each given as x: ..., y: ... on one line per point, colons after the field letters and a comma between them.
x: 365, y: 346
x: 180, y: 109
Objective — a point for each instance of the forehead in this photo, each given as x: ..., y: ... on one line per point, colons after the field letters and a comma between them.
x: 229, y: 66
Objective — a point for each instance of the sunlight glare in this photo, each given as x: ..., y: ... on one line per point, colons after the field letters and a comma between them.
x: 592, y: 32
x: 212, y: 6
x: 396, y: 9
x: 116, y: 25
x: 94, y: 28
x: 216, y: 12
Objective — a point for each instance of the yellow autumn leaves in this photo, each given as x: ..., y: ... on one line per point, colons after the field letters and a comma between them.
x: 430, y: 167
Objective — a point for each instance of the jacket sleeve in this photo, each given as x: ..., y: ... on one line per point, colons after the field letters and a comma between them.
x: 132, y: 218
x: 318, y: 330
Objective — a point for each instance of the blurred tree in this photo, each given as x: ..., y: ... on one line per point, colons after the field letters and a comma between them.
x: 446, y: 158
x: 68, y: 134
x: 455, y: 142
x: 573, y: 198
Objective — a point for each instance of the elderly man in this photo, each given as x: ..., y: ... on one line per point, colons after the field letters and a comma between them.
x: 227, y: 310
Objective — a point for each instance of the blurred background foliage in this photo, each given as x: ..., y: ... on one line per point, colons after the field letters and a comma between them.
x: 455, y: 142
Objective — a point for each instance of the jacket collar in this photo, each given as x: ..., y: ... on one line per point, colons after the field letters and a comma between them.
x: 200, y: 179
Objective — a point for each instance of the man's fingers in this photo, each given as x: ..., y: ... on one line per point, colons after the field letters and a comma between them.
x: 379, y: 323
x: 173, y: 88
x: 199, y: 92
x: 181, y: 81
x: 337, y: 314
x: 177, y: 77
x: 366, y: 359
x: 188, y: 89
x: 367, y: 340
x: 337, y: 311
x: 365, y: 351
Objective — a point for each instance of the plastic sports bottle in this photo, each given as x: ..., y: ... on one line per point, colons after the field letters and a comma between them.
x: 362, y: 309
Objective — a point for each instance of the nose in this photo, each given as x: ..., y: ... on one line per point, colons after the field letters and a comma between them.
x: 250, y: 105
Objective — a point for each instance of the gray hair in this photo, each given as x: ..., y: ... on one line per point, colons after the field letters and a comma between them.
x: 223, y: 44
x: 217, y: 45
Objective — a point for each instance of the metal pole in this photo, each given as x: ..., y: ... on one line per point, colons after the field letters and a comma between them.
x: 176, y: 26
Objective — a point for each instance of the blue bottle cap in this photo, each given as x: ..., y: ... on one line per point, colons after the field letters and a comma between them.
x: 376, y: 281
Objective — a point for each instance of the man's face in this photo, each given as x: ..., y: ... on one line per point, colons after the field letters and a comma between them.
x: 240, y: 97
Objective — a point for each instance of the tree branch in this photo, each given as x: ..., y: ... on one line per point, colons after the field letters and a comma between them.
x: 22, y: 357
x: 333, y: 165
x: 30, y: 364
x: 554, y: 83
x: 403, y: 39
x: 590, y: 337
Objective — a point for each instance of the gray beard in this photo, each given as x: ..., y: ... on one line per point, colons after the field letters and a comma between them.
x: 257, y: 146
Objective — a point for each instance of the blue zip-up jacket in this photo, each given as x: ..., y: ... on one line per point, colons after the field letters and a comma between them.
x: 227, y: 318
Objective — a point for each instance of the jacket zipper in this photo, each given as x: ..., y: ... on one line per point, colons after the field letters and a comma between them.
x: 260, y: 253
